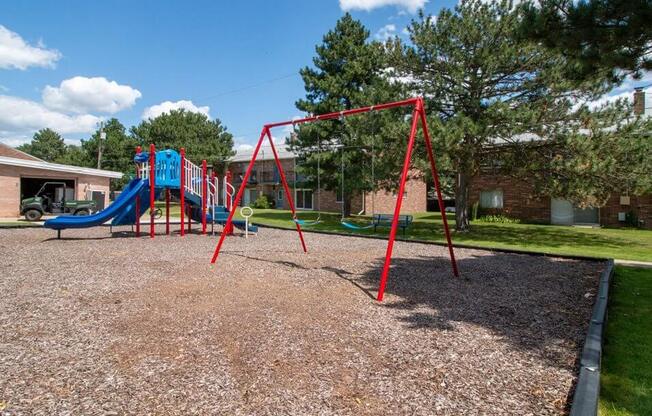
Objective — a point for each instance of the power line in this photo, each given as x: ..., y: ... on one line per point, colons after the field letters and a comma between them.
x: 247, y: 87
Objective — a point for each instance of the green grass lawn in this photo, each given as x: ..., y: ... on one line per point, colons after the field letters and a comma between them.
x: 628, y: 244
x: 626, y: 377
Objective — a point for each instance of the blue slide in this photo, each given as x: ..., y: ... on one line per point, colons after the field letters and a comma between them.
x: 123, y: 203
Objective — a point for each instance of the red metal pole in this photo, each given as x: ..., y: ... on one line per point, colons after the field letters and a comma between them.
x: 204, y: 196
x: 338, y: 114
x: 435, y: 175
x: 139, y: 150
x: 152, y: 188
x: 182, y: 190
x: 236, y: 201
x: 167, y: 211
x: 399, y: 201
x: 286, y: 187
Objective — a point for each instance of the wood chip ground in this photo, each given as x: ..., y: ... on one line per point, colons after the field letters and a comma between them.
x: 110, y: 324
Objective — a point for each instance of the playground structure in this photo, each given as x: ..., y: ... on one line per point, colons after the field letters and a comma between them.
x: 202, y: 197
x: 418, y: 116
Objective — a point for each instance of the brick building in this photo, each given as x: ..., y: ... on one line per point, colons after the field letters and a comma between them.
x: 497, y: 193
x: 265, y: 180
x: 22, y: 175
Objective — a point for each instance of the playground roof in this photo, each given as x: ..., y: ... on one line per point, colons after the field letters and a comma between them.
x: 56, y: 167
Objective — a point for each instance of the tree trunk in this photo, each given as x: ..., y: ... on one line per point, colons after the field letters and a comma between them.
x: 346, y: 206
x: 462, y: 201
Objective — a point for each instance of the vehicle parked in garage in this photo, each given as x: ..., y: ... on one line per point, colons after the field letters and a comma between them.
x: 51, y: 199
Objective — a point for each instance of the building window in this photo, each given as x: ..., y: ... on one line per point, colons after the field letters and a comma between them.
x: 404, y: 194
x: 491, y: 199
x: 280, y: 195
x: 303, y: 198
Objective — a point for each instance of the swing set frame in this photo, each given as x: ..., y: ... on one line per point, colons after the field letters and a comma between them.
x: 418, y: 117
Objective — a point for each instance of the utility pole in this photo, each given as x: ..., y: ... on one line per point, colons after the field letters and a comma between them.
x: 99, y: 145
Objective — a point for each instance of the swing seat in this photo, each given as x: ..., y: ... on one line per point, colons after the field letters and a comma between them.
x: 356, y: 227
x: 305, y: 223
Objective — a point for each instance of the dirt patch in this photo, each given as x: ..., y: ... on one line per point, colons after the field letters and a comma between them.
x: 101, y: 324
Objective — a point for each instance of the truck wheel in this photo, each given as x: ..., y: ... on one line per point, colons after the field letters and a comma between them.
x: 33, y: 215
x: 82, y: 211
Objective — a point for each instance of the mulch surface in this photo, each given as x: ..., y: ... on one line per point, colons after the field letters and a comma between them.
x: 101, y: 324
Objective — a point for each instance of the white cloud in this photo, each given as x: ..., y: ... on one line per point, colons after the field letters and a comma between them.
x: 82, y: 94
x: 167, y: 106
x: 624, y: 91
x: 244, y: 148
x: 20, y: 116
x: 15, y: 53
x: 386, y: 32
x: 410, y: 5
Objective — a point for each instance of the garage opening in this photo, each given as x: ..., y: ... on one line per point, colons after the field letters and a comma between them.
x: 52, y: 188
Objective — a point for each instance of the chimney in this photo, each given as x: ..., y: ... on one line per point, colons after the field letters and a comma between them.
x: 639, y: 101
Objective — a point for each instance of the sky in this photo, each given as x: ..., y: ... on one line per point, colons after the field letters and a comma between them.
x: 68, y: 65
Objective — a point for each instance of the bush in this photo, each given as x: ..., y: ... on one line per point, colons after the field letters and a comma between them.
x: 499, y: 219
x: 261, y: 203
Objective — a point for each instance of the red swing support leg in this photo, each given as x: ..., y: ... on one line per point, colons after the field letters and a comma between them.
x: 286, y: 188
x: 243, y: 185
x: 435, y: 175
x: 399, y: 201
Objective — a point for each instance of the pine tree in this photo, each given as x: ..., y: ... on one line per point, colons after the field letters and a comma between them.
x: 484, y: 85
x: 611, y: 38
x: 348, y: 72
x: 46, y: 144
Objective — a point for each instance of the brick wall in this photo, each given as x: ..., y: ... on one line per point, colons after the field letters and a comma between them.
x: 414, y: 199
x: 641, y: 206
x: 519, y: 202
x: 10, y: 186
x: 415, y: 195
x: 518, y: 199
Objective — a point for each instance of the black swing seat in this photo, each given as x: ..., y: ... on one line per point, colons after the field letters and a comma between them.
x: 385, y: 220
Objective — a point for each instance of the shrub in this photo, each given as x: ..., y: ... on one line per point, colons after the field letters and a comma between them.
x: 261, y: 203
x: 499, y: 219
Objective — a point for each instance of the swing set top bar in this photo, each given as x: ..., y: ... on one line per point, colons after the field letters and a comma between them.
x: 344, y: 113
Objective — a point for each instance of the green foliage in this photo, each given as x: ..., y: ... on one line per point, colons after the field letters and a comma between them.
x: 485, y: 87
x: 117, y: 151
x: 498, y: 219
x: 348, y: 73
x: 610, y: 152
x: 261, y: 203
x: 625, y: 382
x: 602, y: 37
x: 46, y: 144
x: 202, y: 138
x: 76, y: 156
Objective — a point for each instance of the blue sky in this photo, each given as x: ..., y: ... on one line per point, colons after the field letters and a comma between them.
x: 239, y: 59
x: 69, y: 64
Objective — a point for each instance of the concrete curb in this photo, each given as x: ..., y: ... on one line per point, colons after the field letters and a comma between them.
x: 587, y: 391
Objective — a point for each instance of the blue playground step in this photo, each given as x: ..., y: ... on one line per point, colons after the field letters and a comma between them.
x: 221, y: 216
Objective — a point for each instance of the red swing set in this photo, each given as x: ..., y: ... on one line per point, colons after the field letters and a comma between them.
x: 418, y: 115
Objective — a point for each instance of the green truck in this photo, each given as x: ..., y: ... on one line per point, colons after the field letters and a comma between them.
x: 44, y: 203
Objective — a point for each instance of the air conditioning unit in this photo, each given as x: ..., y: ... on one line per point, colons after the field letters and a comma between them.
x: 622, y: 216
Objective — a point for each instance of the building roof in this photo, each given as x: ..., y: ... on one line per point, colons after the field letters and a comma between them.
x: 56, y: 167
x: 265, y: 153
x: 8, y: 151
